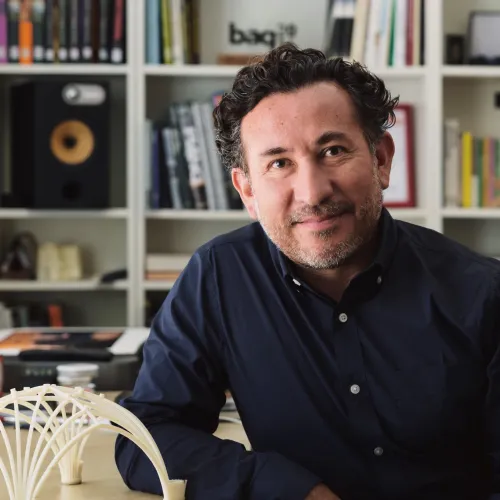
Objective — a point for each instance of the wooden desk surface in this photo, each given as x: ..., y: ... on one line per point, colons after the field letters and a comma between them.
x: 101, y: 480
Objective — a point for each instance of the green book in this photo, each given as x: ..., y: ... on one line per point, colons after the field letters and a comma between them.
x: 392, y: 24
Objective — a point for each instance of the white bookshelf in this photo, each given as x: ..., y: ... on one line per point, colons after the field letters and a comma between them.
x: 16, y: 213
x: 64, y: 69
x: 122, y: 235
x: 84, y: 285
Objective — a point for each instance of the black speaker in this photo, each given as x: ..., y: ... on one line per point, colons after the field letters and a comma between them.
x: 60, y: 145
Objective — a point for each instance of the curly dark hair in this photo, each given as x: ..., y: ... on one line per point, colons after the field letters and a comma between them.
x: 288, y: 68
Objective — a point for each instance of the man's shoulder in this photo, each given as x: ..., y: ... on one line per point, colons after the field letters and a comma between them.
x: 434, y: 246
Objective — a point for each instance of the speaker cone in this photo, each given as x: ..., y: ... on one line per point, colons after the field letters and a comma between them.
x: 72, y: 142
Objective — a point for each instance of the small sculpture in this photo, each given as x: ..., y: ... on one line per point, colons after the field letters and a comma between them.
x: 63, y: 419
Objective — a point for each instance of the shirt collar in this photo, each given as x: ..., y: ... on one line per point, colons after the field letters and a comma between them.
x: 386, y: 233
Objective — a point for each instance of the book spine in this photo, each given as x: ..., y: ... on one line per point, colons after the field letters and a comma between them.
x: 25, y: 34
x: 95, y: 30
x: 195, y: 31
x: 118, y: 40
x: 105, y: 13
x: 166, y: 31
x: 86, y: 45
x: 4, y: 44
x: 38, y: 17
x: 13, y: 12
x: 153, y: 32
x: 49, y: 31
x: 170, y: 147
x: 63, y: 40
x: 192, y: 155
x: 177, y: 33
x: 73, y: 29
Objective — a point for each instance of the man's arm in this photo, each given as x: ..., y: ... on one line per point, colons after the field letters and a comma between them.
x: 493, y: 396
x: 178, y: 396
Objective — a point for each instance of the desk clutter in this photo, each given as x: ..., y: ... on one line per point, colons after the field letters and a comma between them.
x: 61, y: 436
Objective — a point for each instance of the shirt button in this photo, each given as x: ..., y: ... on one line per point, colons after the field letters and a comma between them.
x: 343, y: 317
x: 378, y: 451
x: 355, y: 389
x: 297, y: 282
x: 379, y: 280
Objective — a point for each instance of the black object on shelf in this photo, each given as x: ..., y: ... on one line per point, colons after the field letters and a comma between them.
x: 110, y: 277
x: 455, y: 49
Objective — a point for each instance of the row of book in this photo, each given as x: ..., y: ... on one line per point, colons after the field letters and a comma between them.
x: 471, y: 168
x: 184, y: 169
x: 62, y: 31
x: 172, y: 31
x: 379, y: 33
x: 30, y: 314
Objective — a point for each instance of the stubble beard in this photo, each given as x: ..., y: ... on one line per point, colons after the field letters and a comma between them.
x: 332, y: 254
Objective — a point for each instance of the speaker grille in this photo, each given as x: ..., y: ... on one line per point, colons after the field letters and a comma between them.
x: 72, y: 142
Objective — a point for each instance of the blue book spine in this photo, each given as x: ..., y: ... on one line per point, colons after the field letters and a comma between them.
x: 155, y: 170
x: 153, y: 32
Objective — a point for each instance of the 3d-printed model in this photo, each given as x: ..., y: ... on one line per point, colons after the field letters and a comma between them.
x: 59, y: 421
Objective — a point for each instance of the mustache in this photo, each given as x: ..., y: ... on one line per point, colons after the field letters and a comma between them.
x: 330, y: 208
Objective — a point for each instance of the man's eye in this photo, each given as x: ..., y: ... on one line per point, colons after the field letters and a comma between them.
x: 279, y: 164
x: 334, y: 151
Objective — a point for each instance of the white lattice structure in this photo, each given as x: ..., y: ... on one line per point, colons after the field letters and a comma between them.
x: 60, y: 421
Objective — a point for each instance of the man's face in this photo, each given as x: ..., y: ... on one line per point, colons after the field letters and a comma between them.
x: 312, y: 181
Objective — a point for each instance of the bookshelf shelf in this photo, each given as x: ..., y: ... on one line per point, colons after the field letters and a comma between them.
x: 464, y: 71
x: 409, y: 214
x: 202, y: 70
x: 214, y: 70
x: 64, y: 69
x: 19, y: 213
x: 471, y: 213
x: 198, y: 215
x: 242, y: 215
x: 60, y: 286
x: 157, y: 285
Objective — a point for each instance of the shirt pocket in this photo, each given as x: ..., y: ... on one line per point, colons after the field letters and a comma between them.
x: 435, y: 404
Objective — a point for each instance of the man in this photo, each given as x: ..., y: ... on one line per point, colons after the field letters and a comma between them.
x: 362, y: 352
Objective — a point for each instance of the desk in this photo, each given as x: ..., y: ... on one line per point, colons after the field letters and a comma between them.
x: 101, y: 480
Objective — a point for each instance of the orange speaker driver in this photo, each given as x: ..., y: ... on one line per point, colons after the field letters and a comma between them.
x: 72, y: 142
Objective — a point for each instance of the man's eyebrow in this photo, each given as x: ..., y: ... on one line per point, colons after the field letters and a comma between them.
x: 275, y: 151
x: 323, y: 139
x: 330, y: 136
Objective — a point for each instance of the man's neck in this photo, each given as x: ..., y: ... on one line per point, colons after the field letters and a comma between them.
x: 333, y: 282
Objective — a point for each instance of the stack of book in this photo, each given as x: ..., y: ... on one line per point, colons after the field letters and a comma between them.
x: 184, y: 169
x: 62, y: 31
x: 471, y: 168
x: 379, y: 33
x: 165, y: 267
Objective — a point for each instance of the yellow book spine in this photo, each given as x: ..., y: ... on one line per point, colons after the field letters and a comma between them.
x: 486, y: 172
x: 166, y: 32
x: 467, y: 162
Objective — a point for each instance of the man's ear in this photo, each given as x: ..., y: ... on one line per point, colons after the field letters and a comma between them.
x: 242, y: 184
x: 384, y: 153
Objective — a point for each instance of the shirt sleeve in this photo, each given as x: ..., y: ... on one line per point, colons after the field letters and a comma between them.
x: 178, y: 395
x: 492, y: 407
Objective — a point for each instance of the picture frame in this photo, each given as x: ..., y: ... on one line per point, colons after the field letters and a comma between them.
x: 481, y: 46
x: 401, y: 190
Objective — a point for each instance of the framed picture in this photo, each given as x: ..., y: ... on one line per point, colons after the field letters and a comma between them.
x: 401, y: 190
x: 482, y: 44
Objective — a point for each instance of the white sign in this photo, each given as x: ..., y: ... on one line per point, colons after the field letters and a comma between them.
x: 255, y: 26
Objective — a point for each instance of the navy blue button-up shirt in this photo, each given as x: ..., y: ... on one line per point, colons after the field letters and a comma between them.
x: 393, y: 393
